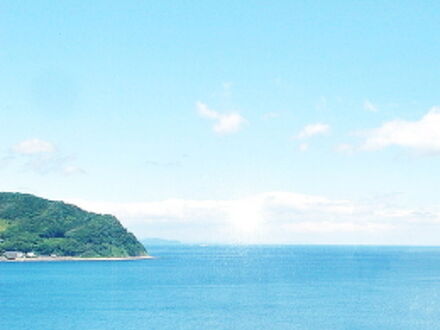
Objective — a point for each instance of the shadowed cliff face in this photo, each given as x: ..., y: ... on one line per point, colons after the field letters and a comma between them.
x: 29, y: 223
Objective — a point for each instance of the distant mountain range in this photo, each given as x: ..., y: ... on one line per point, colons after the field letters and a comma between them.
x: 33, y: 224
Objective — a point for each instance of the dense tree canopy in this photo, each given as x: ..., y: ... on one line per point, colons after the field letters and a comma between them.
x: 32, y: 224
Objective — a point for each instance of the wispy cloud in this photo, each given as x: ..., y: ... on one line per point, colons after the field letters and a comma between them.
x: 227, y: 89
x: 312, y: 130
x: 271, y: 115
x: 303, y: 147
x: 345, y: 148
x: 72, y: 170
x: 370, y: 106
x: 421, y: 135
x: 42, y: 157
x: 322, y: 104
x: 176, y: 163
x: 224, y: 123
x: 33, y: 147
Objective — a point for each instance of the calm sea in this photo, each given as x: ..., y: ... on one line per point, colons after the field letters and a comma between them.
x: 229, y: 287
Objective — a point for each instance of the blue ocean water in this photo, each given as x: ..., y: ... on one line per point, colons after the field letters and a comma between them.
x: 229, y: 287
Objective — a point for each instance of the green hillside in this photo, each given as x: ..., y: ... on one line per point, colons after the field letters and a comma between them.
x: 32, y: 224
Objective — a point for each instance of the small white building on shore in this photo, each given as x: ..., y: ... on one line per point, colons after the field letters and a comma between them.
x: 12, y: 255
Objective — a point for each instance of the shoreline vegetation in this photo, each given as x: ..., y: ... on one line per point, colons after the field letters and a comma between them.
x: 55, y: 259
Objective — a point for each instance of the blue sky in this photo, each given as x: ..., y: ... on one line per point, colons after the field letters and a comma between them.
x: 227, y: 121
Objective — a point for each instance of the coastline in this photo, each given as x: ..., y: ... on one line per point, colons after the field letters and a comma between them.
x: 55, y: 259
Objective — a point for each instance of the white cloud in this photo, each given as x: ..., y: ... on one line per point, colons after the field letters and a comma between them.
x: 370, y: 106
x: 422, y: 135
x: 224, y: 123
x: 313, y: 130
x: 33, y: 146
x: 271, y: 217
